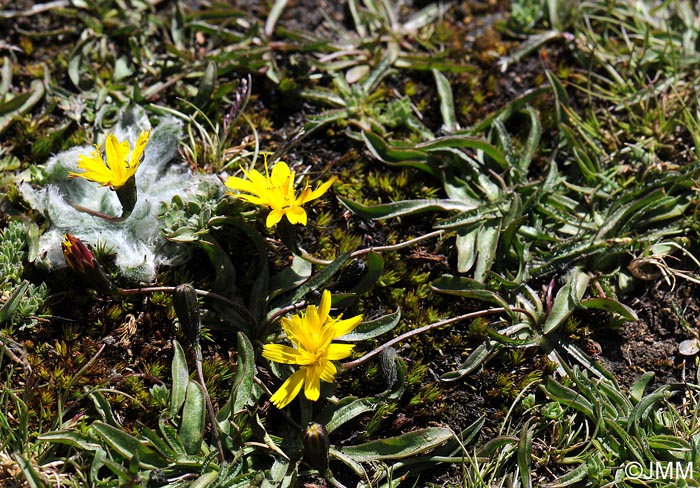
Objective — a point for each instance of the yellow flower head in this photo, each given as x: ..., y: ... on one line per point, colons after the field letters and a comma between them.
x: 277, y: 192
x: 311, y: 334
x: 118, y: 167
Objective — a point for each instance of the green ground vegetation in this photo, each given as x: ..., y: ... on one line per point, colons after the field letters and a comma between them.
x: 514, y: 184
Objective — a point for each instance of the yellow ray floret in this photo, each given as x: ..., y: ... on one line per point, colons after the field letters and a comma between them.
x: 312, y: 334
x: 276, y: 191
x: 118, y: 166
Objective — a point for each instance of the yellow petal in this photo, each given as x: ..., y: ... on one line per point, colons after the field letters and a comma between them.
x: 339, y: 351
x: 298, y: 332
x: 324, y: 307
x: 296, y: 215
x: 328, y: 372
x: 241, y: 184
x: 257, y: 178
x: 248, y: 198
x: 289, y: 390
x: 116, y: 156
x: 346, y: 326
x: 95, y: 169
x: 308, y: 195
x: 280, y: 353
x: 139, y: 148
x: 281, y: 174
x: 312, y: 383
x: 274, y: 217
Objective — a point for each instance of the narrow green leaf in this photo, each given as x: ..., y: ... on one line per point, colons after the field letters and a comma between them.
x: 180, y: 377
x: 486, y: 245
x: 13, y: 301
x: 447, y: 106
x: 224, y: 271
x: 642, y: 409
x: 395, y: 155
x: 400, y: 447
x: 317, y: 281
x: 465, y: 243
x: 36, y: 93
x: 157, y: 442
x: 571, y: 477
x: 5, y: 77
x: 496, y: 445
x: 177, y: 27
x: 464, y: 141
x: 70, y: 438
x: 374, y: 268
x: 404, y: 207
x: 192, y: 420
x: 273, y: 16
x: 205, y: 480
x: 669, y: 443
x: 525, y: 455
x: 32, y: 241
x: 206, y: 85
x: 103, y: 407
x: 13, y: 104
x: 290, y: 277
x: 532, y: 143
x: 349, y: 462
x: 245, y: 374
x: 472, y: 216
x: 468, y: 288
x: 347, y: 409
x: 31, y: 475
x: 566, y: 300
x: 637, y: 390
x: 610, y: 305
x: 128, y: 446
x: 479, y: 356
x: 568, y: 397
x: 171, y: 436
x: 373, y: 328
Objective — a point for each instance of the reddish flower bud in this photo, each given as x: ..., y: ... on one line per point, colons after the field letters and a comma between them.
x: 81, y: 260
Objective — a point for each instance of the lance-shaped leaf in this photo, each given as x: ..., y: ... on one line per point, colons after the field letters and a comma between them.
x: 400, y: 447
x: 406, y: 207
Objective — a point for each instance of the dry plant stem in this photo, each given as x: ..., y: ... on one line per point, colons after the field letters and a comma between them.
x: 420, y: 330
x: 6, y: 349
x: 210, y: 408
x: 393, y: 247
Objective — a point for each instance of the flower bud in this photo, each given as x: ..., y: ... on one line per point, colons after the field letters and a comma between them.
x: 187, y: 311
x: 316, y: 447
x: 81, y: 260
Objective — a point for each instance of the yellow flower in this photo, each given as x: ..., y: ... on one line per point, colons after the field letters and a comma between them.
x: 118, y: 167
x: 311, y: 334
x: 277, y: 192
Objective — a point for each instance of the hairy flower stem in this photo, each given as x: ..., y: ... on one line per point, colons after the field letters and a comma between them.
x: 199, y: 360
x: 434, y: 325
x: 125, y: 213
x: 393, y: 247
